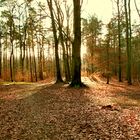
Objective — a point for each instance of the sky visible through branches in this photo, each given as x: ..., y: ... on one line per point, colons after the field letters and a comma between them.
x: 104, y: 9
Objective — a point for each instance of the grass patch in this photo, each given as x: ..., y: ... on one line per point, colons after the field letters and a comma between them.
x: 16, y: 83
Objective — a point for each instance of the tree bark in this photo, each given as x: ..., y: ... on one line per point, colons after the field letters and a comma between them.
x: 108, y: 57
x: 76, y: 47
x: 128, y: 40
x: 0, y: 56
x: 12, y: 50
x: 119, y: 38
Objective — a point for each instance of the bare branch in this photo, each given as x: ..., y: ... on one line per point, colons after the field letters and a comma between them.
x: 137, y: 8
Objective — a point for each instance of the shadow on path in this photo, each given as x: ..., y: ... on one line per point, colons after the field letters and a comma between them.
x: 55, y: 112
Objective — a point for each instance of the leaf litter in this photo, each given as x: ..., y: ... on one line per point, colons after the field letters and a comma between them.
x: 56, y: 112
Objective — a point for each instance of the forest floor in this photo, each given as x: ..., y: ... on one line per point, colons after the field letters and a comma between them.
x: 47, y: 111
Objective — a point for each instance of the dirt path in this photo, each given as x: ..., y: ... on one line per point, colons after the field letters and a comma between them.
x: 56, y: 112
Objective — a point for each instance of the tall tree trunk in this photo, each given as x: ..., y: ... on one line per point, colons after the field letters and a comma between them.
x: 128, y: 40
x: 41, y: 61
x: 108, y: 57
x: 24, y: 51
x: 115, y: 61
x: 0, y: 56
x: 58, y: 73
x: 24, y: 46
x: 60, y: 27
x: 11, y: 54
x: 92, y: 56
x: 119, y: 38
x: 31, y: 69
x: 67, y: 40
x: 20, y: 46
x: 11, y: 64
x: 76, y: 47
x: 33, y: 54
x: 35, y: 69
x: 5, y: 59
x: 27, y: 60
x: 68, y: 62
x: 130, y: 45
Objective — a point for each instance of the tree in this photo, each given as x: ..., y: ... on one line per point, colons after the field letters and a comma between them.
x: 0, y: 47
x: 40, y: 37
x: 136, y: 52
x: 58, y: 73
x: 119, y: 41
x: 20, y: 37
x: 91, y: 31
x: 108, y: 57
x: 11, y: 26
x: 76, y: 47
x: 24, y: 30
x: 128, y: 40
x: 60, y: 22
x: 68, y: 37
x: 0, y: 54
x: 107, y: 45
x: 137, y: 8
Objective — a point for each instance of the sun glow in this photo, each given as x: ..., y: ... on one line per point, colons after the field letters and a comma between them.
x: 102, y: 8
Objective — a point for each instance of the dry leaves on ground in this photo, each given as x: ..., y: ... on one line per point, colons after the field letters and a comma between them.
x: 56, y: 112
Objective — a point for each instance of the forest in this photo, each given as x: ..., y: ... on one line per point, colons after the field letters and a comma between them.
x: 67, y: 76
x: 37, y: 42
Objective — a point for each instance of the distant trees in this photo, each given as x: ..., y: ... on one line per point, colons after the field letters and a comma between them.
x: 136, y: 53
x: 91, y: 33
x: 107, y: 46
x: 10, y: 16
x: 120, y: 50
x: 20, y: 25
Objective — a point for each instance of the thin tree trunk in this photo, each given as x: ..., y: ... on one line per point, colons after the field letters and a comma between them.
x: 108, y: 64
x: 11, y: 65
x: 34, y: 63
x: 119, y: 38
x: 24, y: 47
x: 58, y: 73
x: 115, y: 62
x: 68, y: 62
x: 60, y: 24
x: 0, y: 56
x: 137, y: 8
x: 128, y: 40
x: 27, y: 59
x: 130, y: 45
x: 31, y: 69
x: 33, y: 52
x: 5, y: 59
x: 24, y: 51
x: 12, y: 53
x: 41, y: 60
x: 20, y: 46
x: 67, y: 41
